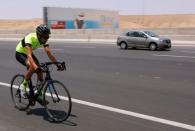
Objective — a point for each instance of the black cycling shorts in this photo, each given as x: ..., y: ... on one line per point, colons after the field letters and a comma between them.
x: 20, y: 57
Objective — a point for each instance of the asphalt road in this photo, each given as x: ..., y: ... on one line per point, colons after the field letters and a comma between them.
x: 126, y: 90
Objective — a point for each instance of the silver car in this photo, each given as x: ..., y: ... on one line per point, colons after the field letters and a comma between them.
x: 143, y: 39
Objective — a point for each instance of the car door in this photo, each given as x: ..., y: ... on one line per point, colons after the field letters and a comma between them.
x: 141, y: 40
x: 129, y: 39
x: 135, y: 39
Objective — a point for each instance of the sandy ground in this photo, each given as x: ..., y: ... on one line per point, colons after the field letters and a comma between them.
x: 158, y: 21
x: 20, y: 24
x: 153, y: 21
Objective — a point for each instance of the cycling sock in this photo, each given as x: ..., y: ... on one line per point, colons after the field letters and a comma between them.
x: 39, y: 84
x: 40, y: 97
x: 25, y: 83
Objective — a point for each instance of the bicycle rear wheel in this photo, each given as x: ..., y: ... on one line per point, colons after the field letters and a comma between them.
x: 19, y: 102
x: 58, y: 96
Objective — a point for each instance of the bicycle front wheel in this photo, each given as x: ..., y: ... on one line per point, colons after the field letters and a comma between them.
x: 19, y: 102
x: 58, y: 96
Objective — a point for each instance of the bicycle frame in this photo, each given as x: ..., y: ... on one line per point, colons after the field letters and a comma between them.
x: 47, y: 80
x: 49, y: 88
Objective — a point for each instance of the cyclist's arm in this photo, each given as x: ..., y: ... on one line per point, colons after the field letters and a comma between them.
x: 29, y: 56
x: 50, y: 54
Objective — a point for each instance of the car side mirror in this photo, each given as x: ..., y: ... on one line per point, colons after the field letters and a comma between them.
x: 145, y: 36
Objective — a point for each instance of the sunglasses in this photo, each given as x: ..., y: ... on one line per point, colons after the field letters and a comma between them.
x: 45, y: 37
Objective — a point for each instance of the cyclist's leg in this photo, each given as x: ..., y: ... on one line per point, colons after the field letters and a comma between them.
x: 39, y: 73
x: 22, y: 58
x: 24, y: 87
x: 39, y: 82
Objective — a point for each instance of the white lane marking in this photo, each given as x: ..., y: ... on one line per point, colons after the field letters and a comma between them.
x: 184, y: 45
x: 182, y: 42
x: 174, y: 56
x: 190, y: 52
x: 52, y: 49
x: 156, y: 77
x: 125, y: 112
x: 79, y: 47
x: 57, y: 49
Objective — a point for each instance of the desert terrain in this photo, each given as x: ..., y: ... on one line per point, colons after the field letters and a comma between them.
x: 144, y: 21
x: 158, y: 21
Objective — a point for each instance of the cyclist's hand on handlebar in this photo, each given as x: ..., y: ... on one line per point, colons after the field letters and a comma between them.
x: 61, y: 66
x: 38, y: 70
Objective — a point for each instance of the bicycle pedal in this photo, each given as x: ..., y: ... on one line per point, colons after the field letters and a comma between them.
x: 32, y: 103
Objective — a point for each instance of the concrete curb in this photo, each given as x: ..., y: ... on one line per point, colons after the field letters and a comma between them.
x: 101, y: 41
x: 106, y: 41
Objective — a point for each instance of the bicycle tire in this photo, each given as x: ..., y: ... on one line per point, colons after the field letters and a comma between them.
x: 57, y: 115
x: 19, y: 102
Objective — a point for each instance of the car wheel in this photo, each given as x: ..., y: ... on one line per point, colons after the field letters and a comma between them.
x: 153, y: 46
x: 123, y: 45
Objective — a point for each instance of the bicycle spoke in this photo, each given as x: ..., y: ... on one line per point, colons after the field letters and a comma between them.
x: 58, y: 108
x: 19, y: 102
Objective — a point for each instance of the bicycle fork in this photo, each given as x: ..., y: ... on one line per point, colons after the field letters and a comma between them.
x: 52, y: 89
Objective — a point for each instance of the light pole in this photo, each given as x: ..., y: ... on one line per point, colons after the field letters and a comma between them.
x: 143, y: 11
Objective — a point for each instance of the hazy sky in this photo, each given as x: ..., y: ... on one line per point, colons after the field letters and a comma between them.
x: 25, y: 9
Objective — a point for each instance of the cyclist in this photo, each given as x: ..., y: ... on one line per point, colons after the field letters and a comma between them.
x: 25, y: 56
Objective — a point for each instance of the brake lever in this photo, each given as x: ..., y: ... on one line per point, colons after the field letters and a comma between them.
x: 63, y: 65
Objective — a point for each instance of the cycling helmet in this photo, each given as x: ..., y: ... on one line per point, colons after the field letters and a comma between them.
x: 43, y: 32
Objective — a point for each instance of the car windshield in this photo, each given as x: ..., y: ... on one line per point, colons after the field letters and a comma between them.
x: 152, y: 34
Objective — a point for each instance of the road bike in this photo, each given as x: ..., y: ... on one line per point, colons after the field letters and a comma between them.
x: 56, y: 97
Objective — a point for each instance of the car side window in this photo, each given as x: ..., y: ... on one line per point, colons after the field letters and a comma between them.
x: 142, y: 35
x: 135, y: 34
x: 130, y: 34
